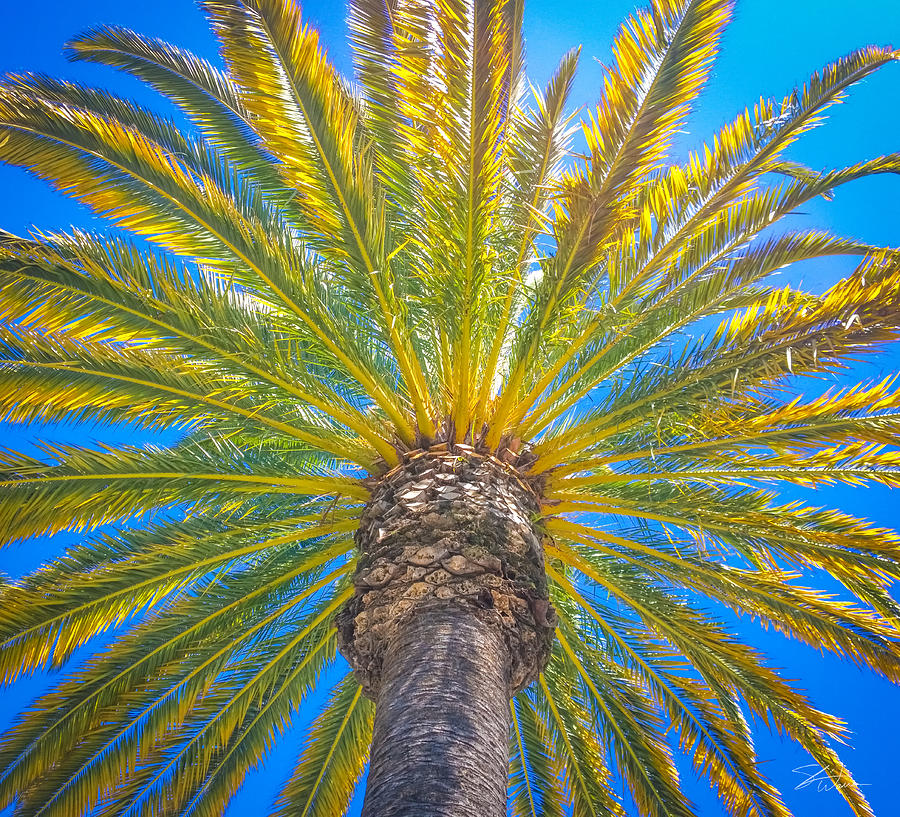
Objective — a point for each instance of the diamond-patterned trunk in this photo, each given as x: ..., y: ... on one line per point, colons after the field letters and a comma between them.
x: 449, y: 620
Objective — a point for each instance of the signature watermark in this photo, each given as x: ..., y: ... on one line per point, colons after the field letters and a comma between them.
x: 824, y: 778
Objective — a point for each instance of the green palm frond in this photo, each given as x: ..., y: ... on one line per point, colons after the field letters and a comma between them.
x: 86, y: 488
x: 166, y: 665
x: 716, y: 747
x: 99, y: 586
x: 535, y: 787
x: 208, y: 96
x: 662, y: 57
x: 576, y: 747
x: 334, y: 756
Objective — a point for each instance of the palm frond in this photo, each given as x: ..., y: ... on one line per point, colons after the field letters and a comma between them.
x: 165, y: 680
x: 334, y: 756
x: 85, y: 488
x: 47, y: 615
x: 579, y: 754
x: 268, y: 48
x: 534, y: 785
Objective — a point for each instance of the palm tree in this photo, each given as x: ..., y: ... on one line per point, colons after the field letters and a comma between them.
x: 488, y: 415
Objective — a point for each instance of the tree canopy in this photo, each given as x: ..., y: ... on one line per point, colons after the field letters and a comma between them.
x: 321, y: 276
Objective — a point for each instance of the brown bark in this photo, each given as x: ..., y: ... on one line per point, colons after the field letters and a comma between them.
x: 441, y: 721
x: 449, y: 620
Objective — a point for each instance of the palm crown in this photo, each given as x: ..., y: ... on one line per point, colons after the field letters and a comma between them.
x: 331, y: 278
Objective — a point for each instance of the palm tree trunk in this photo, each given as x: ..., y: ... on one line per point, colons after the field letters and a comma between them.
x: 449, y: 620
x: 441, y: 721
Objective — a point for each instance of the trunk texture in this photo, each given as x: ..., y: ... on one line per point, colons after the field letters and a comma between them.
x: 441, y: 722
x: 450, y: 619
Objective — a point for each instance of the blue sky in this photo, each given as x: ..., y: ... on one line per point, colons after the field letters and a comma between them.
x: 771, y: 46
